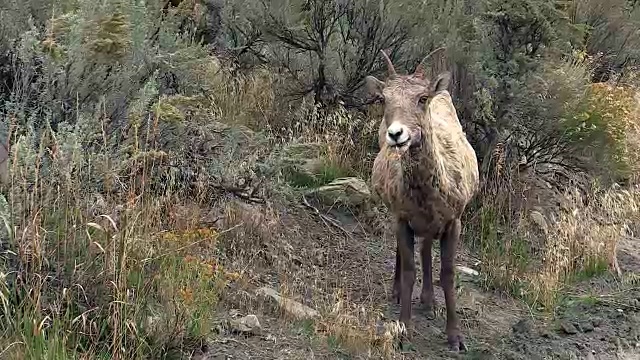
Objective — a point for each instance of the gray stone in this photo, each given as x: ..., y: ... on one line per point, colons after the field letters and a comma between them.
x: 293, y: 308
x: 586, y: 326
x: 350, y: 191
x: 246, y: 325
x: 568, y: 327
x: 597, y: 321
x: 304, y: 160
x: 540, y: 221
x: 523, y: 326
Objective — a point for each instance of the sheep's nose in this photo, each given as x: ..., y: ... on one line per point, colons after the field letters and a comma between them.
x: 395, y: 132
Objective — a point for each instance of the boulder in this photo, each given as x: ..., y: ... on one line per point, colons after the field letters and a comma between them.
x: 350, y: 191
x: 293, y: 308
x: 304, y: 150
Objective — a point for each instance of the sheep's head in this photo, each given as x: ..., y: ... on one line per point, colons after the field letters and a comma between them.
x: 405, y: 99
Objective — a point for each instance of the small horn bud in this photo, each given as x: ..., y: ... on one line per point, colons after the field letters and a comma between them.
x: 420, y: 68
x: 390, y: 68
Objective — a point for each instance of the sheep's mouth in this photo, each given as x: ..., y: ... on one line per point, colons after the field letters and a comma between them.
x: 401, y: 148
x: 412, y: 140
x: 404, y: 144
x: 412, y: 143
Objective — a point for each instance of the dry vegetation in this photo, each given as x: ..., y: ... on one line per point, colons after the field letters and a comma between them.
x: 150, y: 188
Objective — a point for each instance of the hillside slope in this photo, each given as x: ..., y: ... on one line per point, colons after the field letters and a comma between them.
x: 343, y: 268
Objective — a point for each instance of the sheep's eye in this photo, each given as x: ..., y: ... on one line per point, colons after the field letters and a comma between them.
x: 422, y: 100
x: 378, y: 100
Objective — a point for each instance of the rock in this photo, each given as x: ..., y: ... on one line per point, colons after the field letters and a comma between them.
x: 523, y: 326
x: 293, y: 308
x: 540, y: 221
x: 568, y: 327
x: 313, y: 167
x: 467, y: 270
x: 586, y: 326
x: 349, y: 191
x: 549, y: 335
x: 246, y: 325
x: 304, y: 151
x: 597, y: 321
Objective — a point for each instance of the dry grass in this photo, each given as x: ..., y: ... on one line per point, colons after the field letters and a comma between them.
x: 358, y: 330
x: 98, y: 262
x: 582, y: 241
x: 241, y: 99
x: 535, y: 234
x: 349, y: 139
x: 536, y: 254
x: 89, y: 279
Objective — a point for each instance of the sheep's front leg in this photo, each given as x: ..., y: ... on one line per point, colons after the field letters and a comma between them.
x: 406, y: 241
x: 448, y: 245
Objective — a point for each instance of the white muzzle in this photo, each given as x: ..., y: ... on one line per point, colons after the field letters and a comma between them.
x: 397, y: 134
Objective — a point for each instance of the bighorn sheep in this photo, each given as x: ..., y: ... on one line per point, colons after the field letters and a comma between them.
x: 426, y: 173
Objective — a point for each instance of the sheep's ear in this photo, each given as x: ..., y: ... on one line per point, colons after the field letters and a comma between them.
x: 441, y: 82
x: 374, y: 86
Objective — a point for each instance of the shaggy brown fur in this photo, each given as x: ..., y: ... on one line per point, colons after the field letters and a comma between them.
x: 426, y: 183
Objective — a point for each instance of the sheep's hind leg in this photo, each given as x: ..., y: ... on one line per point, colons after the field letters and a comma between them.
x: 426, y: 296
x: 395, y: 295
x: 406, y: 240
x: 448, y: 245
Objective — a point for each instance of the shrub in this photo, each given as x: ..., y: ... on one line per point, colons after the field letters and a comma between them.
x: 532, y: 252
x: 606, y: 125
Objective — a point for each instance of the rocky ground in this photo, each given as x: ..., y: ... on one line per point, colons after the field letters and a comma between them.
x: 337, y: 265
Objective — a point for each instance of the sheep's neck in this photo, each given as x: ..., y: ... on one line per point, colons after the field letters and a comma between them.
x: 422, y: 164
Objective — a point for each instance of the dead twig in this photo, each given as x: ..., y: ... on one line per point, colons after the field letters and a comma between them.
x: 240, y: 192
x: 326, y: 219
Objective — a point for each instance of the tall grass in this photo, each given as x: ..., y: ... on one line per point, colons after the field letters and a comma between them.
x: 95, y: 263
x: 535, y: 254
x: 94, y: 275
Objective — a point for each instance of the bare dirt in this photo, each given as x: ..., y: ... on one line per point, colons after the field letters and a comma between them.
x: 344, y: 270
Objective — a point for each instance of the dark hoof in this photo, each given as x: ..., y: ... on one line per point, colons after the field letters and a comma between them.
x: 456, y: 344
